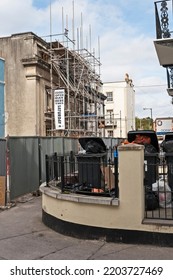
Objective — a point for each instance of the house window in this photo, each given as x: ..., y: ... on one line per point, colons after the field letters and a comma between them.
x: 109, y: 96
x: 109, y: 115
x: 48, y: 101
x: 110, y: 133
x: 48, y: 129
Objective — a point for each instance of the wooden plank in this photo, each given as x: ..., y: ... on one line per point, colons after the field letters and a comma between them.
x: 2, y: 190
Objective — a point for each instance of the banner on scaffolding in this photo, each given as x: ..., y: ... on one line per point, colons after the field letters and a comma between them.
x: 59, y: 99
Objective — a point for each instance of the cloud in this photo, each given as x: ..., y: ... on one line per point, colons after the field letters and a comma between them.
x: 126, y: 30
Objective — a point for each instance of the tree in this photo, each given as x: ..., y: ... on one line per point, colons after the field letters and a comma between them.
x: 144, y: 123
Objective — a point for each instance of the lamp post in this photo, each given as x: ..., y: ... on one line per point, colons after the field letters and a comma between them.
x: 151, y: 111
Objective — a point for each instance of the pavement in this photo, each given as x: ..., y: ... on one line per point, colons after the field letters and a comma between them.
x: 23, y: 236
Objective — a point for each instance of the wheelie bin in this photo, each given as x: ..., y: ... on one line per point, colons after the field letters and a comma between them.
x: 92, y: 161
x: 148, y: 138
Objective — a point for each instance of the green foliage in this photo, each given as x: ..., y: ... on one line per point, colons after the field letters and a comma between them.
x: 145, y: 123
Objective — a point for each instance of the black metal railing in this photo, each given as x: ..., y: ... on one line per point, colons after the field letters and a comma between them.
x: 83, y: 174
x: 159, y: 191
x: 89, y: 175
x: 51, y: 168
x: 162, y: 16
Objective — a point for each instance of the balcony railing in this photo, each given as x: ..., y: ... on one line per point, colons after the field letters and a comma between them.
x: 162, y: 15
x: 164, y: 47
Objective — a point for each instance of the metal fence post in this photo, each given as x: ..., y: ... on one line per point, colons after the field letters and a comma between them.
x: 62, y: 174
x: 55, y: 166
x: 116, y: 173
x: 39, y: 161
x: 47, y: 170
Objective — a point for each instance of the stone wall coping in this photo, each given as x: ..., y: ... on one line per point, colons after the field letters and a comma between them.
x: 78, y: 198
x: 131, y: 147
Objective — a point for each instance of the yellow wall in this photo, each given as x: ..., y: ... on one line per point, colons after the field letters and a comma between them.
x: 125, y: 213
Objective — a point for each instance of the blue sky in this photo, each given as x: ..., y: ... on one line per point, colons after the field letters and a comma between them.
x: 40, y: 3
x: 125, y: 28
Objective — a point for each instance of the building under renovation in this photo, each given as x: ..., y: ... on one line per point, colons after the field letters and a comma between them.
x: 50, y: 89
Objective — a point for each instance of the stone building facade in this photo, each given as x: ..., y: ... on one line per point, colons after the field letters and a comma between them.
x: 34, y: 69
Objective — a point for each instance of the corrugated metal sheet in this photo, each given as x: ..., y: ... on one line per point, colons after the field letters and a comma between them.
x: 27, y: 160
x: 24, y: 165
x: 70, y: 144
x: 48, y: 146
x: 59, y: 145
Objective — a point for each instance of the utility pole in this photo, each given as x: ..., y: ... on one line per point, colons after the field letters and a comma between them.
x: 151, y: 112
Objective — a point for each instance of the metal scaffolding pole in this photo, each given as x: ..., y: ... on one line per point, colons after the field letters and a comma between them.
x: 75, y: 68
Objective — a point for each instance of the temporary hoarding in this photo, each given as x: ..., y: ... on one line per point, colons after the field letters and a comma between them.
x: 59, y: 100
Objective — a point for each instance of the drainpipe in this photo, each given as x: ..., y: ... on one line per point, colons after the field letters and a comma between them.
x: 8, y: 170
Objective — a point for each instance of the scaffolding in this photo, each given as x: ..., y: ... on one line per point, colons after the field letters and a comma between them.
x: 76, y: 70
